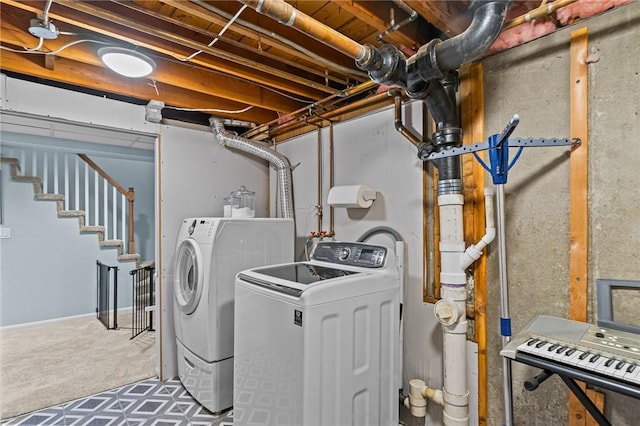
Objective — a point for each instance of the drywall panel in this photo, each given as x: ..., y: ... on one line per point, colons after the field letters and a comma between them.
x: 61, y: 104
x: 370, y: 151
x: 533, y: 81
x: 195, y: 174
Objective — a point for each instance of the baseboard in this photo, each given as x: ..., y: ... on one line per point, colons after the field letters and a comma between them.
x: 57, y: 320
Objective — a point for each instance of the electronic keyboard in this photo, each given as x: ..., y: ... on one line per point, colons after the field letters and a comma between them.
x: 603, y: 357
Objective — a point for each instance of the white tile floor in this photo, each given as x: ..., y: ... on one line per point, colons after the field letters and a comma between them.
x: 146, y: 403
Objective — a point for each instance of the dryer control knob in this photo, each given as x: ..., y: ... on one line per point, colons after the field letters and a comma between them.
x: 344, y: 253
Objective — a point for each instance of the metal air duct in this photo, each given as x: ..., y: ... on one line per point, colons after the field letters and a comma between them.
x: 262, y: 150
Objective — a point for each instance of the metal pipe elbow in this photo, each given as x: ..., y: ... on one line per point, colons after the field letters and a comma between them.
x: 485, y: 26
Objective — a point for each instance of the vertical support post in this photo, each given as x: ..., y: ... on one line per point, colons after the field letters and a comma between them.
x: 131, y: 196
x: 472, y: 114
x: 55, y: 173
x: 105, y: 208
x: 96, y: 199
x: 76, y: 201
x: 66, y: 181
x: 579, y: 211
x: 45, y: 173
x: 86, y: 206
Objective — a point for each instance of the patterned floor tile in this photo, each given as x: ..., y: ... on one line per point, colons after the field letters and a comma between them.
x: 146, y: 403
x: 53, y: 416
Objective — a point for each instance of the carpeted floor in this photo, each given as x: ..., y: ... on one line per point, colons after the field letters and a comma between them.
x: 46, y: 365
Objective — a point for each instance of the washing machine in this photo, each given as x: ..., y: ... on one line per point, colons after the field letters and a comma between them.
x: 317, y: 341
x: 209, y: 253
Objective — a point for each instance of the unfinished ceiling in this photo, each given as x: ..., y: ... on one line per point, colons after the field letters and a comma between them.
x: 224, y: 59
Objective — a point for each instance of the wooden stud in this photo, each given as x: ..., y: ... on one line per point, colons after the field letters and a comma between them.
x: 579, y: 217
x: 472, y: 96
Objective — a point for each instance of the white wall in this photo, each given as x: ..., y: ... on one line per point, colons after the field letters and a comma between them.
x: 48, y: 268
x: 370, y: 151
x: 196, y: 173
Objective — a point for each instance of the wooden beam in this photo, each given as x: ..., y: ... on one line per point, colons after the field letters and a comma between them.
x: 115, y: 18
x: 579, y: 208
x: 472, y: 108
x: 97, y: 78
x: 84, y: 15
x: 236, y: 93
x: 371, y: 13
x: 450, y: 17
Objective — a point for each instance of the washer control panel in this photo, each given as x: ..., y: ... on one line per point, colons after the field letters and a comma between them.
x: 354, y: 254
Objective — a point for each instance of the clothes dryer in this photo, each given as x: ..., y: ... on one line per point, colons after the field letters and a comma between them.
x: 209, y: 253
x: 317, y: 341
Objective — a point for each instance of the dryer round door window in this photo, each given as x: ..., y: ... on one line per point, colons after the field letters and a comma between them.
x: 189, y: 276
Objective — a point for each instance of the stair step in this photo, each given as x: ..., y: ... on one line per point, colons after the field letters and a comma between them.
x: 129, y: 257
x: 111, y: 243
x: 71, y: 213
x: 28, y: 179
x: 8, y: 160
x: 86, y: 229
x: 50, y: 197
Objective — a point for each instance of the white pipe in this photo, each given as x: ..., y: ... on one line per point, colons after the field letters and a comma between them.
x: 450, y: 310
x: 474, y: 251
x: 419, y: 392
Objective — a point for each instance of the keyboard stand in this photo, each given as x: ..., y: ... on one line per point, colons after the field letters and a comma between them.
x: 569, y: 375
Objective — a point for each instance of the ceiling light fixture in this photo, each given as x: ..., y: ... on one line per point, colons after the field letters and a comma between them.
x: 126, y: 62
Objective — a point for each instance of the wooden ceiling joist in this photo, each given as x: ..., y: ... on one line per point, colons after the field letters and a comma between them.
x: 97, y: 78
x: 237, y: 93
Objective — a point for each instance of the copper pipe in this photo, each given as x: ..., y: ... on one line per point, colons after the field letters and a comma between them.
x: 539, y: 12
x: 319, y: 142
x: 362, y: 103
x: 288, y: 15
x: 323, y: 103
x: 331, y: 230
x: 397, y: 100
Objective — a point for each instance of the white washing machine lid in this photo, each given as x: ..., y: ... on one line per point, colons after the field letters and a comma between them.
x: 294, y: 278
x: 189, y: 276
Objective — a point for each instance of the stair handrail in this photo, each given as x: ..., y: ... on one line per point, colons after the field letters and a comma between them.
x: 129, y: 195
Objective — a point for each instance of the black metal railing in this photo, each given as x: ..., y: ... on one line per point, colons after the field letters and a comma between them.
x: 105, y: 292
x: 143, y: 298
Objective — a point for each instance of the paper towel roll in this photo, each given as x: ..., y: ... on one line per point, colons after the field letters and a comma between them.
x: 351, y: 196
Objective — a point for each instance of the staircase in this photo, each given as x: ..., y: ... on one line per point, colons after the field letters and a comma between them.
x: 63, y: 212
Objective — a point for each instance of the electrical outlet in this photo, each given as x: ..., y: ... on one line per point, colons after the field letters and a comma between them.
x: 5, y: 232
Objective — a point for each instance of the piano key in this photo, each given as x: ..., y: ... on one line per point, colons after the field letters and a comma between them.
x: 630, y: 368
x: 553, y: 347
x: 540, y: 344
x: 610, y: 369
x: 583, y: 360
x: 620, y: 372
x: 560, y: 354
x: 574, y: 358
x: 633, y: 376
x: 532, y: 341
x: 594, y: 358
x: 570, y: 351
x: 598, y: 366
x: 609, y: 362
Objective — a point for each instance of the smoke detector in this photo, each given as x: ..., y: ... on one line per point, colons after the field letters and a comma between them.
x: 40, y: 29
